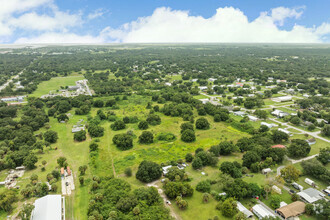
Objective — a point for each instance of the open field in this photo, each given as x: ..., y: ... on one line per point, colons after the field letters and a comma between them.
x: 55, y: 84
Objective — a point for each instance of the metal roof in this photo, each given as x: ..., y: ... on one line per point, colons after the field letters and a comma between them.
x: 48, y: 207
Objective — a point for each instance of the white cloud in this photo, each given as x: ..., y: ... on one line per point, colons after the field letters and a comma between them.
x: 59, y: 21
x: 96, y: 14
x: 227, y: 25
x: 60, y: 38
x: 281, y: 13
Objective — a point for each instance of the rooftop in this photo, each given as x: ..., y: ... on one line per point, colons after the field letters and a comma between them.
x: 48, y: 207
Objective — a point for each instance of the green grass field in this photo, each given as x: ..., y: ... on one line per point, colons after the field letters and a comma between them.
x: 55, y: 84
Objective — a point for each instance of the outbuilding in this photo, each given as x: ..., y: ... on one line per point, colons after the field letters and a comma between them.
x: 50, y: 207
x: 244, y: 210
x: 310, y: 182
x: 266, y: 171
x: 261, y: 212
x: 276, y: 189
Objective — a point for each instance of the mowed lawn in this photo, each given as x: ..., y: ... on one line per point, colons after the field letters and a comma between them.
x: 55, y: 84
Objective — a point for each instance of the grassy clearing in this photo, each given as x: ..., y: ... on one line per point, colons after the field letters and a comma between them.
x: 55, y: 84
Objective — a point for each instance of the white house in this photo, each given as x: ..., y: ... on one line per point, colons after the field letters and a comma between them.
x: 252, y: 118
x: 266, y: 171
x: 50, y: 207
x: 279, y: 113
x: 261, y: 212
x: 244, y: 210
x: 212, y: 79
x: 282, y: 99
x: 311, y: 195
x: 239, y: 113
x: 268, y: 125
x: 285, y: 131
x: 168, y: 84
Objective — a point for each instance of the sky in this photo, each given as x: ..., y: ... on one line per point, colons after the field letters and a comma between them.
x: 164, y: 21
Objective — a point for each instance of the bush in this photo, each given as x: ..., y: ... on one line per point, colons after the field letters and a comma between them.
x: 186, y: 126
x: 128, y: 172
x: 154, y: 119
x: 93, y: 147
x: 188, y: 136
x: 148, y: 171
x: 189, y: 157
x: 118, y: 125
x: 197, y: 163
x: 202, y: 124
x: 95, y: 130
x: 143, y: 125
x: 50, y: 136
x: 123, y: 141
x: 166, y: 137
x: 203, y: 186
x: 80, y: 135
x: 146, y: 137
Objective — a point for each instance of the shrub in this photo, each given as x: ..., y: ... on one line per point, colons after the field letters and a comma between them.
x: 154, y: 119
x: 118, y: 125
x: 80, y: 135
x: 123, y: 141
x: 146, y: 137
x: 148, y: 171
x: 166, y: 137
x: 202, y: 124
x: 93, y: 146
x: 189, y: 157
x: 143, y: 125
x: 188, y: 136
x: 203, y: 186
x: 128, y: 171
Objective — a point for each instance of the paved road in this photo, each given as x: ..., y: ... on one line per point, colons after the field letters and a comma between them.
x: 10, y: 80
x: 313, y: 134
x: 294, y: 162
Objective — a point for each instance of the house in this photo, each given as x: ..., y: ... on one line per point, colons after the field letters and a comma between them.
x: 202, y: 88
x: 282, y: 99
x: 268, y: 125
x: 77, y: 129
x: 261, y: 212
x: 292, y: 210
x: 212, y: 79
x: 165, y: 169
x: 311, y: 195
x: 50, y: 207
x: 168, y: 84
x: 276, y: 189
x: 194, y: 80
x: 244, y: 210
x: 252, y: 118
x: 311, y: 141
x: 278, y: 146
x: 310, y: 182
x: 279, y: 113
x: 239, y: 113
x: 285, y: 131
x: 71, y: 88
x: 266, y: 171
x: 297, y: 186
x: 250, y: 95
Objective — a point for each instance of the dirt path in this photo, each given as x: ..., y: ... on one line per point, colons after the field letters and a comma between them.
x: 161, y: 193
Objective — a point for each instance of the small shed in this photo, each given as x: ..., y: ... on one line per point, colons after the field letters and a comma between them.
x: 266, y: 171
x: 276, y: 189
x: 309, y: 182
x: 311, y: 141
x: 278, y: 146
